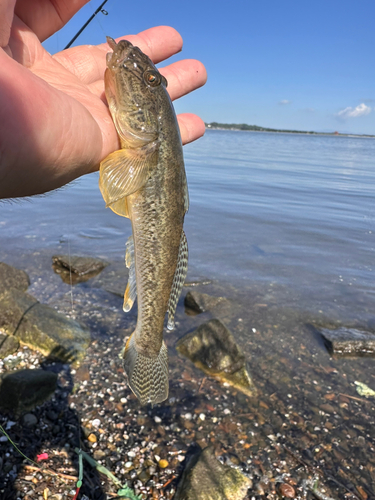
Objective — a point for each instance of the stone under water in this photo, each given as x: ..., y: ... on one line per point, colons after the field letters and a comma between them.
x: 11, y: 277
x: 75, y: 269
x: 213, y: 349
x: 349, y: 342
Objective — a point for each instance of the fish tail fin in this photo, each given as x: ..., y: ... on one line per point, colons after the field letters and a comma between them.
x: 147, y: 376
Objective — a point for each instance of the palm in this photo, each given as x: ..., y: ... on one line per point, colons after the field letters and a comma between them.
x: 59, y: 126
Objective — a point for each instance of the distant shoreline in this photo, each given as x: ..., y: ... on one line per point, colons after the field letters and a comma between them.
x: 256, y: 128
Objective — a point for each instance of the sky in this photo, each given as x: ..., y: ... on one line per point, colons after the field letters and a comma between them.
x: 281, y: 64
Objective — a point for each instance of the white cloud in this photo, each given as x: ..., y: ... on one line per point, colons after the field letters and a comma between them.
x: 285, y: 101
x: 349, y: 112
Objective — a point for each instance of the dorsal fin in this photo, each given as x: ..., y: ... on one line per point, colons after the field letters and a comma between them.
x: 131, y: 288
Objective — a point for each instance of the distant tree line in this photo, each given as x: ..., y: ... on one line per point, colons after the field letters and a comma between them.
x: 256, y: 128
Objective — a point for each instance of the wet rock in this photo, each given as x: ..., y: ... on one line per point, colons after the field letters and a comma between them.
x: 205, y: 478
x: 74, y: 269
x: 113, y: 279
x: 201, y: 302
x: 13, y: 306
x: 41, y: 327
x: 11, y: 277
x: 349, y: 342
x: 53, y: 334
x: 8, y: 345
x: 23, y: 390
x: 212, y: 348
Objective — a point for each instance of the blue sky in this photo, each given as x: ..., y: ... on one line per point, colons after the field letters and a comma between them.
x: 292, y: 64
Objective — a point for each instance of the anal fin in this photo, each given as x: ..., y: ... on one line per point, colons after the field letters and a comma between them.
x: 131, y: 287
x: 178, y: 280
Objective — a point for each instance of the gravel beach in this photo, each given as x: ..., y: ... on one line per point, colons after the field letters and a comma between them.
x: 306, y: 434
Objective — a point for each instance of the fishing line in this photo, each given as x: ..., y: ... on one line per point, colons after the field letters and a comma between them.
x: 105, y: 13
x: 99, y: 9
x: 70, y: 278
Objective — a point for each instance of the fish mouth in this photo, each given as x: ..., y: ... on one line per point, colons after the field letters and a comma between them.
x: 126, y: 55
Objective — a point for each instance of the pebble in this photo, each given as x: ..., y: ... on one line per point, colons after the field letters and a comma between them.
x: 95, y: 422
x: 144, y: 476
x: 52, y: 415
x: 92, y: 438
x: 287, y: 491
x: 163, y: 463
x: 157, y: 419
x: 99, y: 454
x: 30, y: 420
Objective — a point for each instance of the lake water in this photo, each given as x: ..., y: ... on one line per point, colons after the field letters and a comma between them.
x: 287, y: 215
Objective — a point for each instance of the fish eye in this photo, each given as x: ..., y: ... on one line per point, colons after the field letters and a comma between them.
x: 152, y: 78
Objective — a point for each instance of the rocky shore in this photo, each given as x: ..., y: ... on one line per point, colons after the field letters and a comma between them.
x: 300, y: 429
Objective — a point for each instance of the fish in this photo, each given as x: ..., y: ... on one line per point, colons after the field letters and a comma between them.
x: 145, y: 181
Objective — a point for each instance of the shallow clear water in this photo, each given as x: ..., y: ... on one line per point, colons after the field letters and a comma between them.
x: 292, y: 212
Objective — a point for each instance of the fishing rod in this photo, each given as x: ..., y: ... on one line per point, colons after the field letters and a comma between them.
x: 99, y: 9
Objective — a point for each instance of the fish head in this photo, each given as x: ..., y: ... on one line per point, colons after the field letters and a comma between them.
x: 133, y: 88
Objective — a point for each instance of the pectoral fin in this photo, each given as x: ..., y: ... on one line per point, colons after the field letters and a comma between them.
x: 178, y: 280
x: 121, y: 207
x: 131, y: 288
x: 124, y: 172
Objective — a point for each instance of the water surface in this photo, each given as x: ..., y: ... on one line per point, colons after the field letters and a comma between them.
x: 289, y: 213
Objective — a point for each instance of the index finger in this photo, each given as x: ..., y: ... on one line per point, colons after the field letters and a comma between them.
x: 88, y: 63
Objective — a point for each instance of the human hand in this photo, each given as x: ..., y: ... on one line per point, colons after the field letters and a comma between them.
x: 54, y: 122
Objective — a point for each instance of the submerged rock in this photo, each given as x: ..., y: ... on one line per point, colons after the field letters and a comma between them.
x: 13, y: 306
x: 212, y: 348
x: 75, y: 269
x: 8, y: 345
x: 23, y: 390
x: 113, y: 279
x: 205, y: 478
x: 40, y: 327
x: 11, y: 277
x: 202, y: 302
x: 349, y: 342
x: 53, y: 334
